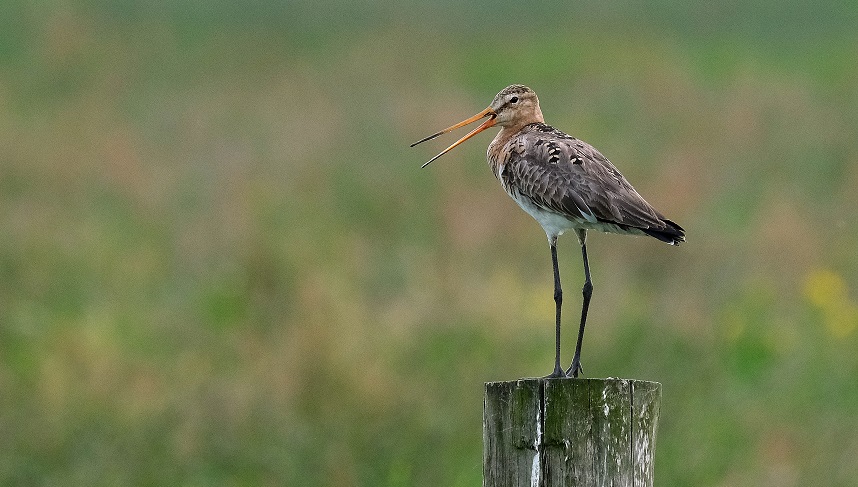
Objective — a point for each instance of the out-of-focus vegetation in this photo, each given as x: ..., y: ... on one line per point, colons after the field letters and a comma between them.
x: 220, y: 263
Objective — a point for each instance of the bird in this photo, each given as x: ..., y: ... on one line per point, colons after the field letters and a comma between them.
x: 565, y: 184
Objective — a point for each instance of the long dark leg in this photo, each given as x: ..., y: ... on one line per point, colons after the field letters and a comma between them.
x: 558, y: 302
x: 587, y: 291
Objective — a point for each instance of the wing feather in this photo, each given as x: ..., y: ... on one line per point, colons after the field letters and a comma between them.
x: 569, y: 176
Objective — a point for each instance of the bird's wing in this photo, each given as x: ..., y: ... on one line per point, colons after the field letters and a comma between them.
x: 569, y: 176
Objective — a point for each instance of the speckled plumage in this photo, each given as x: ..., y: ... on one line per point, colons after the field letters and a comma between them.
x: 546, y: 168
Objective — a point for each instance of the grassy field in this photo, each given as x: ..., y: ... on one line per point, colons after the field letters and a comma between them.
x: 220, y: 262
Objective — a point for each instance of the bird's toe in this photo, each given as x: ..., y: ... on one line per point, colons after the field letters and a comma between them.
x: 575, y: 369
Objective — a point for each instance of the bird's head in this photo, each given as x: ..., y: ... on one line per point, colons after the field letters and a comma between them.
x: 514, y: 107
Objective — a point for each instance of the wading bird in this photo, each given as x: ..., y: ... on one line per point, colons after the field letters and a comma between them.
x: 565, y: 184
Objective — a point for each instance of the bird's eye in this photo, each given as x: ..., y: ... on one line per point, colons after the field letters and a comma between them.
x: 513, y: 99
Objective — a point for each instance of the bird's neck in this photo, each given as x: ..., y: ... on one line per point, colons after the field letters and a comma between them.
x: 501, y: 139
x: 534, y: 115
x: 496, y: 153
x: 506, y: 133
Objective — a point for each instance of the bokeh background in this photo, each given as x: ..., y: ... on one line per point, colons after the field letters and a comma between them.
x: 221, y: 263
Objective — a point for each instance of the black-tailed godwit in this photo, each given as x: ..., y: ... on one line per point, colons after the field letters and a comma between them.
x: 565, y: 184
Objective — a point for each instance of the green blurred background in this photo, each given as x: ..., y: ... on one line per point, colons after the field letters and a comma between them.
x: 221, y: 263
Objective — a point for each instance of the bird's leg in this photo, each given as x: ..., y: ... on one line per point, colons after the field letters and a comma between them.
x: 587, y: 291
x: 558, y: 302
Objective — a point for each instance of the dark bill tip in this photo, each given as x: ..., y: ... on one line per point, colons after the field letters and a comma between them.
x: 427, y: 138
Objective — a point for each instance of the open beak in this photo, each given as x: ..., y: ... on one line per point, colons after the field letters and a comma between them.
x: 488, y: 112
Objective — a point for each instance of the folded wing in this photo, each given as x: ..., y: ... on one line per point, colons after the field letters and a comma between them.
x: 570, y: 177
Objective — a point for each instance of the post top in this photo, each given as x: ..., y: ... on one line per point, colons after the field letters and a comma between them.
x: 593, y: 380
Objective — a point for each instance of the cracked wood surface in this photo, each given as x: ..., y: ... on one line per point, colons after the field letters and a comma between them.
x: 569, y: 432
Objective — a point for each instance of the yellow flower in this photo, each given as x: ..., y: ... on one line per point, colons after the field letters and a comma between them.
x: 826, y: 290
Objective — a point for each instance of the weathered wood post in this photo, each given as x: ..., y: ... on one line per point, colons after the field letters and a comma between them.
x: 569, y: 432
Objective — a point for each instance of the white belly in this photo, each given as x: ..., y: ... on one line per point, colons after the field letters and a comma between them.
x: 553, y: 223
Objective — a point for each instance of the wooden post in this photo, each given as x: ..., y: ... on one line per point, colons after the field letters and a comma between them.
x: 569, y: 432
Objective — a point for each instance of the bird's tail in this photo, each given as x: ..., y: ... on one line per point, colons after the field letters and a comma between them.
x: 670, y: 233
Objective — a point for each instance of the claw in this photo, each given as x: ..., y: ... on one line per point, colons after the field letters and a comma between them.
x: 575, y: 369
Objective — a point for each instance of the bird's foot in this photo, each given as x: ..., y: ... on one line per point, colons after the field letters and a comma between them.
x: 575, y: 369
x: 557, y: 374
